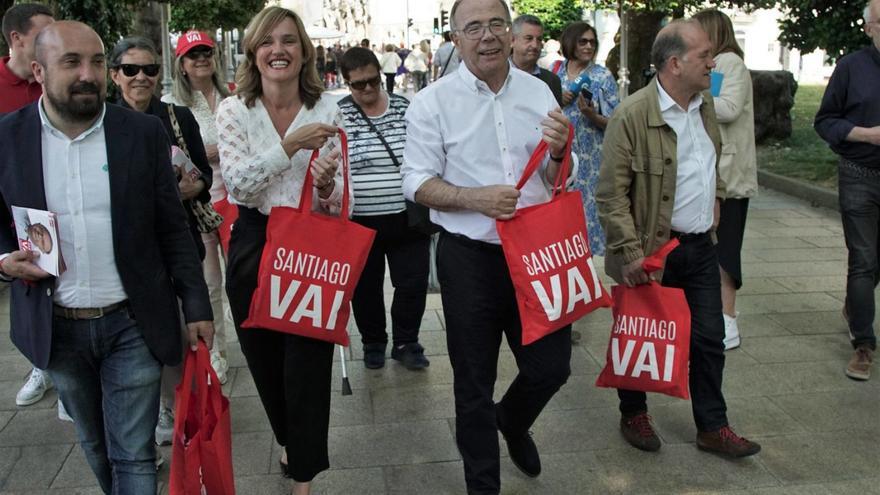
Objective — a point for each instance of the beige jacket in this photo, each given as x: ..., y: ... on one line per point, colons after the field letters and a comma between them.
x: 736, y: 120
x: 636, y: 187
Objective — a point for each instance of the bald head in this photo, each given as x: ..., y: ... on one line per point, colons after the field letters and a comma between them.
x: 63, y: 35
x: 673, y: 41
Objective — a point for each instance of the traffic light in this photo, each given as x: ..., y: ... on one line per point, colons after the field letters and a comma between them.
x: 436, y: 25
x: 409, y: 22
x: 444, y: 19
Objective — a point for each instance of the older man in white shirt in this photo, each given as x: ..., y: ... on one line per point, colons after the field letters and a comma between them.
x: 469, y: 137
x: 658, y: 180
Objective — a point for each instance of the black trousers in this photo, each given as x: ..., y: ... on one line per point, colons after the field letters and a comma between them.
x: 480, y: 305
x: 693, y: 266
x: 407, y: 251
x: 292, y: 373
x: 389, y: 81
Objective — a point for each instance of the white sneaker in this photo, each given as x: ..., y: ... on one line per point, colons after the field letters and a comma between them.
x: 159, y: 460
x: 731, y: 332
x: 34, y: 388
x: 62, y: 412
x: 218, y: 362
x: 165, y: 427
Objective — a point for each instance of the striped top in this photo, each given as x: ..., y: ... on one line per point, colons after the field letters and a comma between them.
x: 375, y: 178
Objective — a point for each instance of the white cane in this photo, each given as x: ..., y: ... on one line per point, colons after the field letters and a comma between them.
x: 346, y: 387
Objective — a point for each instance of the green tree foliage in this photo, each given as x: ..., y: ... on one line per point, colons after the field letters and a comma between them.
x: 111, y: 19
x: 212, y: 14
x: 554, y: 14
x: 835, y: 26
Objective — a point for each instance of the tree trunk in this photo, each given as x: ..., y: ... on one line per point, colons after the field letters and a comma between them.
x: 643, y: 28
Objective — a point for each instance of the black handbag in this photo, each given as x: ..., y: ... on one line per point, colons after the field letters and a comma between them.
x: 418, y: 215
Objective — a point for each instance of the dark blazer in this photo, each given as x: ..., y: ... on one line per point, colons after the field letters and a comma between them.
x: 153, y: 249
x: 553, y: 81
x: 189, y: 128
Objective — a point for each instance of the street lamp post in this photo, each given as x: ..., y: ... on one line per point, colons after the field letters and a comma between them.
x: 623, y: 72
x: 167, y: 59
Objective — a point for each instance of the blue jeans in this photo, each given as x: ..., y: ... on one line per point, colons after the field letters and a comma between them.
x: 109, y: 383
x: 859, y: 194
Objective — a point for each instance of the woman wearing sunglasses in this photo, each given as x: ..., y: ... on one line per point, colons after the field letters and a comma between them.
x: 376, y: 124
x: 199, y: 87
x: 267, y: 133
x: 135, y: 69
x: 588, y: 107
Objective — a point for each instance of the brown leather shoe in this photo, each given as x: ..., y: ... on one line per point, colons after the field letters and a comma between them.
x: 859, y: 367
x: 725, y: 441
x: 637, y: 430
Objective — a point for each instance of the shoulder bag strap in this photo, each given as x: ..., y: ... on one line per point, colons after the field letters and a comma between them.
x: 175, y: 125
x: 451, y: 54
x: 378, y: 133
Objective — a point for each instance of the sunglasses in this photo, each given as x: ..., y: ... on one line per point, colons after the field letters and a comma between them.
x: 588, y: 41
x: 197, y: 54
x: 360, y: 85
x: 131, y: 70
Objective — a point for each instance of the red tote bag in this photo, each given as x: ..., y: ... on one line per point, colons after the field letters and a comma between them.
x: 201, y: 452
x: 649, y: 349
x: 229, y: 212
x: 548, y: 254
x: 310, y: 266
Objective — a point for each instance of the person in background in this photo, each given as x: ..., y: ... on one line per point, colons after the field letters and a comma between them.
x: 551, y: 55
x: 528, y: 35
x: 18, y: 88
x: 738, y: 167
x: 330, y: 67
x: 321, y: 62
x: 849, y: 121
x: 390, y: 63
x: 659, y: 182
x: 267, y: 133
x: 376, y: 123
x: 446, y: 59
x: 135, y: 69
x: 589, y: 112
x: 199, y: 86
x: 417, y: 63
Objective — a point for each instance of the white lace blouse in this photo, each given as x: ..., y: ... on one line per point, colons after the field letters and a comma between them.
x: 256, y: 169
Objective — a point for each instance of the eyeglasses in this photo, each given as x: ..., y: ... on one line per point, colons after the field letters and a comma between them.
x: 131, y: 70
x: 476, y: 30
x: 199, y: 54
x: 361, y: 85
x: 588, y: 41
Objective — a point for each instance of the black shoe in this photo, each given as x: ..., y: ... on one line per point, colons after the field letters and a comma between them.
x: 412, y: 356
x: 374, y: 356
x: 524, y: 453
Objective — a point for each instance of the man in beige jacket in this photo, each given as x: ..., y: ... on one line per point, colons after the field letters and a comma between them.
x: 658, y: 180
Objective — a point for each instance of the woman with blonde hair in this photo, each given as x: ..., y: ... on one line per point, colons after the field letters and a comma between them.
x: 267, y: 133
x: 417, y: 63
x: 199, y: 87
x: 738, y: 165
x: 390, y: 62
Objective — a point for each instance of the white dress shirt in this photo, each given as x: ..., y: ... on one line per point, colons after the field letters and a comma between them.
x: 77, y: 183
x: 256, y: 169
x: 694, y: 207
x: 462, y: 132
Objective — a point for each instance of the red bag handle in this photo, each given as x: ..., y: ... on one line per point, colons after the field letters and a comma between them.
x: 305, y: 200
x: 197, y: 366
x: 655, y: 261
x: 538, y: 157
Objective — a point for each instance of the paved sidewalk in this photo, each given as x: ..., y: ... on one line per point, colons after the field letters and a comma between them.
x: 785, y: 388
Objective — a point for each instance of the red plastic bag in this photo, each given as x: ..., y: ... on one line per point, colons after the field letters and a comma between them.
x: 649, y: 349
x: 201, y: 452
x: 229, y: 212
x: 310, y: 266
x: 548, y: 254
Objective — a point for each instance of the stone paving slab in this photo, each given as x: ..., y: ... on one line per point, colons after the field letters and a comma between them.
x: 785, y: 388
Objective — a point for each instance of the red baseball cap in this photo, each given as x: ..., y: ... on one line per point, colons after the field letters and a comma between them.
x: 190, y: 40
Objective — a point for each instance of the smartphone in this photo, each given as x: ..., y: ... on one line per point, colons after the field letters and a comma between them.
x: 587, y: 94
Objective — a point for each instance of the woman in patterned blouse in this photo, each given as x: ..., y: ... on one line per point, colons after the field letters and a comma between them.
x: 267, y: 132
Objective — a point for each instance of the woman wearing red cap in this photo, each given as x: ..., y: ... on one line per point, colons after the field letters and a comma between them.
x: 198, y: 86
